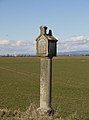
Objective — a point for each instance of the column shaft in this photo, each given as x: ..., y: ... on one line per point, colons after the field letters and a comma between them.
x: 45, y: 83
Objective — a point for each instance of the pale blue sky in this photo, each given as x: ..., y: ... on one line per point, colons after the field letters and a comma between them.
x: 20, y: 19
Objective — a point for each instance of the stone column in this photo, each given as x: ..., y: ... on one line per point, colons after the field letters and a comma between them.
x: 45, y: 85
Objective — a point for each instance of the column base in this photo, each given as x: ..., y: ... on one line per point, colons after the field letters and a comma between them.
x: 45, y: 111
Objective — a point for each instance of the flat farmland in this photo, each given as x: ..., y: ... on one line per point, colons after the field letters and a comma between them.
x: 19, y: 84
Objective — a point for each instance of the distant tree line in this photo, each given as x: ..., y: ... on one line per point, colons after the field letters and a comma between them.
x: 17, y: 55
x: 28, y: 55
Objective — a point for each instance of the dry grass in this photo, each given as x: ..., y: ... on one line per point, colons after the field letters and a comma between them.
x: 31, y: 114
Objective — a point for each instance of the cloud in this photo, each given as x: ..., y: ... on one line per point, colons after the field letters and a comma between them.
x: 4, y: 42
x: 16, y: 47
x: 75, y: 43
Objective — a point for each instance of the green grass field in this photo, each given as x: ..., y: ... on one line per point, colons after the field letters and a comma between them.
x: 19, y: 84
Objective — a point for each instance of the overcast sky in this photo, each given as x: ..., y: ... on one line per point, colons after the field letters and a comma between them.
x: 20, y: 21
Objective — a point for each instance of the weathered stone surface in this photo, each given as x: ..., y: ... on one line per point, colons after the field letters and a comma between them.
x: 46, y: 46
x: 45, y: 84
x: 46, y: 43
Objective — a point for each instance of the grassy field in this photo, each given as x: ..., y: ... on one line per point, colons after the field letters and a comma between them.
x: 19, y: 84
